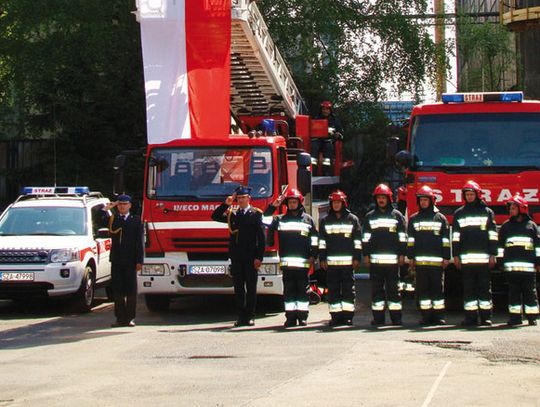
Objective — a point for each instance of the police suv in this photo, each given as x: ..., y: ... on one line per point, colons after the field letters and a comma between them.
x: 52, y: 244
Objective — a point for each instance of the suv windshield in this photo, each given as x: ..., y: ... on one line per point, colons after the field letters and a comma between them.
x: 45, y: 220
x: 477, y: 140
x: 202, y: 174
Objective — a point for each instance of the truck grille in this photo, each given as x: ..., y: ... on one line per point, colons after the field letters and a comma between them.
x: 200, y: 243
x: 23, y: 256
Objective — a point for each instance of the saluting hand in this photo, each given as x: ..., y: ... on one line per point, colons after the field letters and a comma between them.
x: 138, y: 267
x: 230, y: 199
x: 257, y: 263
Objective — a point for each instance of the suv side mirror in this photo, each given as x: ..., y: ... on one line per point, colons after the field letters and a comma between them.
x: 103, y: 233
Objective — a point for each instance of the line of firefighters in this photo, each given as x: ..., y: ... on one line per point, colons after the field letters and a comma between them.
x: 384, y: 240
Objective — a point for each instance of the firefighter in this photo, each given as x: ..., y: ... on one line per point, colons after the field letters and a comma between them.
x: 384, y: 240
x: 428, y: 250
x: 246, y: 250
x: 519, y: 239
x: 298, y: 243
x: 474, y: 246
x: 340, y: 252
x: 326, y: 145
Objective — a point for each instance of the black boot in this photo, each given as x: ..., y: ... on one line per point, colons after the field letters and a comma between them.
x: 514, y: 320
x: 335, y: 319
x: 291, y: 319
x: 302, y: 318
x: 532, y: 322
x: 426, y: 318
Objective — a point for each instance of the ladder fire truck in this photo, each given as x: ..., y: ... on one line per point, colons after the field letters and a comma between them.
x: 241, y: 106
x: 491, y: 138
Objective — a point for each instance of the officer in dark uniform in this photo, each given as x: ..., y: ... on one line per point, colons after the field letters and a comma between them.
x: 518, y: 238
x: 384, y: 239
x: 340, y: 252
x: 246, y: 250
x: 298, y: 244
x: 474, y: 246
x: 428, y: 249
x: 126, y: 258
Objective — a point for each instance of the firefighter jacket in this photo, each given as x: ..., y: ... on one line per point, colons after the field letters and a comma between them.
x: 340, y: 239
x: 384, y: 236
x: 521, y: 244
x: 247, y: 240
x: 474, y: 234
x: 298, y: 238
x: 428, y: 237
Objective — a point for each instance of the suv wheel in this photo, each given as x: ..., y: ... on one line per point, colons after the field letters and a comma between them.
x: 85, y: 296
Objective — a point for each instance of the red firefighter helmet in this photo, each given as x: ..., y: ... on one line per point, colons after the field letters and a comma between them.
x: 293, y: 193
x: 521, y: 203
x: 426, y: 192
x: 327, y: 104
x: 338, y: 195
x: 383, y: 189
x: 472, y: 186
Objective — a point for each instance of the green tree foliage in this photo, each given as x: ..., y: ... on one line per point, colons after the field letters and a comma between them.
x: 487, y: 56
x: 70, y: 71
x: 351, y: 52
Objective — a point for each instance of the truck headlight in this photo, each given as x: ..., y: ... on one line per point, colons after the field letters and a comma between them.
x: 64, y: 255
x: 268, y: 269
x: 153, y: 270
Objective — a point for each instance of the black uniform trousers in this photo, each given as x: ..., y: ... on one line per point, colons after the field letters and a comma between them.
x: 384, y: 286
x: 522, y: 291
x: 295, y: 296
x: 124, y: 286
x: 429, y: 290
x: 340, y: 282
x: 476, y: 291
x: 326, y: 146
x: 245, y: 288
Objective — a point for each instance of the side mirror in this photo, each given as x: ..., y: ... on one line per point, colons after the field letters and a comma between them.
x: 103, y: 233
x: 392, y: 147
x: 303, y: 160
x: 118, y: 167
x: 404, y: 158
x: 303, y: 180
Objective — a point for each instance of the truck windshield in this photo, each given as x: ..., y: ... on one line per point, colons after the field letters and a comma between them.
x: 58, y: 221
x: 208, y: 173
x: 483, y: 141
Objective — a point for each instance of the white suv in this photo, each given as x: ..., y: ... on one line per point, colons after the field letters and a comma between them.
x: 52, y: 244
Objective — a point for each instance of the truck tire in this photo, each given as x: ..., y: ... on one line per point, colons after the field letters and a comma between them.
x: 157, y: 303
x: 85, y: 296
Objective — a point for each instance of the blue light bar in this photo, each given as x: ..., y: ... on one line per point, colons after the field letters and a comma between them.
x: 482, y: 97
x: 55, y: 190
x: 269, y: 126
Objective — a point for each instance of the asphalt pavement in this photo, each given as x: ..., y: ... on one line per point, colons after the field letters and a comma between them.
x: 193, y: 356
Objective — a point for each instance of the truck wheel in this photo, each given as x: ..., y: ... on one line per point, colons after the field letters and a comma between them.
x: 157, y: 303
x: 85, y: 296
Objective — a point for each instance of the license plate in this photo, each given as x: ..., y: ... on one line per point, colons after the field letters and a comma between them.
x: 207, y: 269
x: 16, y: 276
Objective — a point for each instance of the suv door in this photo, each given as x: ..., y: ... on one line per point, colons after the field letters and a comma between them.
x: 103, y: 243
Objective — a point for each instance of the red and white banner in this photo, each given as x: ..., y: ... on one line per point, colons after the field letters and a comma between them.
x: 186, y: 55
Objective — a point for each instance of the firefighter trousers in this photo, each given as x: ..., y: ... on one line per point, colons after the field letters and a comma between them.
x: 476, y: 292
x: 340, y: 281
x: 326, y: 147
x: 384, y: 287
x: 295, y: 296
x: 245, y: 288
x: 429, y: 291
x: 522, y: 294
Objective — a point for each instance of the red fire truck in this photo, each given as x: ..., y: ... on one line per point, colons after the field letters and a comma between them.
x: 224, y: 121
x: 491, y: 138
